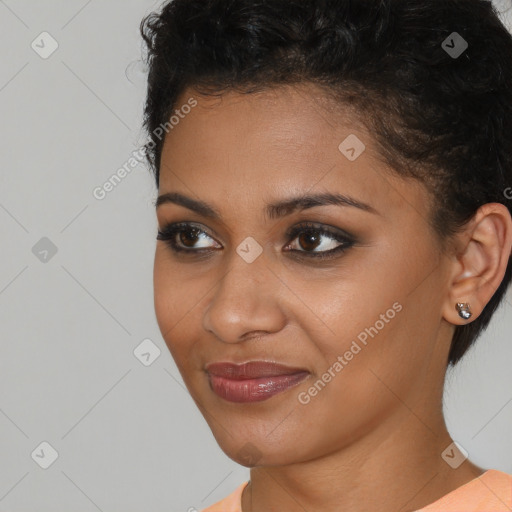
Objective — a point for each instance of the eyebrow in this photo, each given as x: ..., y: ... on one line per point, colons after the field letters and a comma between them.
x: 274, y: 210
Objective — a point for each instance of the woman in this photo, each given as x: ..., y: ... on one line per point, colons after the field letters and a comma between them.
x: 334, y: 231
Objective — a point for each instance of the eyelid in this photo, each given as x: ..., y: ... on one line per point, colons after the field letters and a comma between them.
x: 171, y: 229
x: 326, y: 229
x: 346, y: 240
x: 290, y: 232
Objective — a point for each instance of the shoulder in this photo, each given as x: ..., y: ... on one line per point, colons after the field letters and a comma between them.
x: 497, y: 487
x: 231, y: 503
x: 490, y: 492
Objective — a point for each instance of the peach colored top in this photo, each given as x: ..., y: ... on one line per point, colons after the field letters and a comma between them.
x: 490, y: 492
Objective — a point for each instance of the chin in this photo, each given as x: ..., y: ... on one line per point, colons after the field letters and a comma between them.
x: 256, y: 449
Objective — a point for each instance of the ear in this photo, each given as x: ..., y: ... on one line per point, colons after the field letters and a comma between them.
x: 481, y: 259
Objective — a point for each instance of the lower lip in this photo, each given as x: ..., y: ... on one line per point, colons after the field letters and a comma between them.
x: 253, y: 390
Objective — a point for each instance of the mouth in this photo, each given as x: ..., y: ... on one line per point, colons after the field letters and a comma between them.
x: 253, y: 381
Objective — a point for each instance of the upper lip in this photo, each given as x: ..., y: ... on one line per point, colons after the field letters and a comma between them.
x: 251, y: 369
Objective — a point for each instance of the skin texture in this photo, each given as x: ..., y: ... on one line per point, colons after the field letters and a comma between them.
x: 373, y: 436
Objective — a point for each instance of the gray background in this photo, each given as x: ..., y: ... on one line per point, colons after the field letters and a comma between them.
x: 128, y: 436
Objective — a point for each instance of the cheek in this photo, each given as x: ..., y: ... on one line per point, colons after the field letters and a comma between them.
x: 368, y: 333
x: 372, y: 316
x: 162, y: 294
x: 381, y: 353
x: 179, y: 296
x: 172, y: 298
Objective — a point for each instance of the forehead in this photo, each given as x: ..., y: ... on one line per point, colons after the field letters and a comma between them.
x: 275, y: 143
x: 302, y: 114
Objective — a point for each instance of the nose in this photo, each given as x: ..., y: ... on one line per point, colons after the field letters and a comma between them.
x: 245, y: 303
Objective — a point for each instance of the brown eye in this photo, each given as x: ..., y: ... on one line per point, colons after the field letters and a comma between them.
x: 310, y: 240
x: 189, y: 237
x: 186, y: 237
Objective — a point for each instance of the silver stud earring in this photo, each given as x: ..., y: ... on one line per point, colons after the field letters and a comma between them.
x: 464, y: 310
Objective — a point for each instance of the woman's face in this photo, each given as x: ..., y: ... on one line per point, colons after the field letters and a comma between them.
x: 365, y: 322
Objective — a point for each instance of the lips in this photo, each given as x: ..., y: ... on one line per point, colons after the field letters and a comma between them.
x: 251, y: 370
x: 253, y: 381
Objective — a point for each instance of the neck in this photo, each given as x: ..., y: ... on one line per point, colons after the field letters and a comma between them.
x: 397, y: 467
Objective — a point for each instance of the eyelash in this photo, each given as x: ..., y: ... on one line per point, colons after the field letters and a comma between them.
x: 169, y: 232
